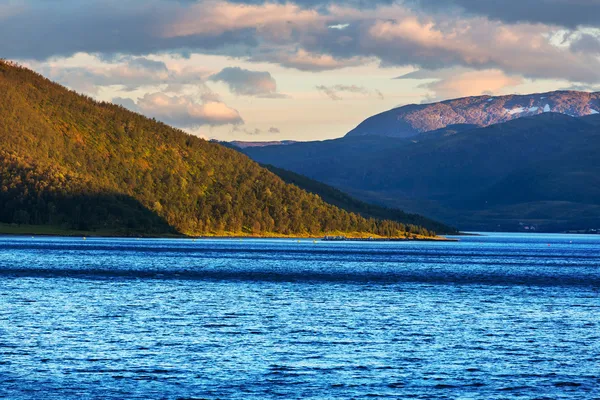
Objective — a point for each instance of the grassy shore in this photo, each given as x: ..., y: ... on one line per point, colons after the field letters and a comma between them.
x: 48, y: 230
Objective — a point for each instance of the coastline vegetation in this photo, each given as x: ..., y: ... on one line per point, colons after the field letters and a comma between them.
x: 13, y: 229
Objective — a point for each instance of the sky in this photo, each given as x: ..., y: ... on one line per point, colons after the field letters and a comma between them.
x: 301, y: 69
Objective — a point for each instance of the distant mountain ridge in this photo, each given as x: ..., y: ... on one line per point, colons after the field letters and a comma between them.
x: 348, y: 203
x: 540, y: 170
x: 412, y: 120
x: 243, y: 145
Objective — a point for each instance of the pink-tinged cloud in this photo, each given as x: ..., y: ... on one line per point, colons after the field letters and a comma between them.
x: 306, y: 61
x: 217, y: 17
x: 297, y: 36
x: 459, y: 82
x: 478, y: 43
x: 183, y: 111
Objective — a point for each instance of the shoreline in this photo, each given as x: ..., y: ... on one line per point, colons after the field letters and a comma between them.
x: 315, y: 238
x: 49, y: 231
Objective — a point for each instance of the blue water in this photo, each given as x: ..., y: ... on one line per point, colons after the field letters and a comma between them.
x: 500, y: 316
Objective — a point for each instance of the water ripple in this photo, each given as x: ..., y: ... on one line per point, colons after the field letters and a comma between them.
x: 489, y: 317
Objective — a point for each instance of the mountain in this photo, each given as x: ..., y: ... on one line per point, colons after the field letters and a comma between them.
x: 592, y: 119
x: 344, y: 201
x: 539, y: 171
x: 242, y: 145
x: 414, y: 119
x: 70, y: 162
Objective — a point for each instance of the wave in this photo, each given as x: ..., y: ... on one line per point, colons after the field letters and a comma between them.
x: 349, y: 276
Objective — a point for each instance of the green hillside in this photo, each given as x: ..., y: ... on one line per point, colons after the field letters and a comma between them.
x: 70, y: 162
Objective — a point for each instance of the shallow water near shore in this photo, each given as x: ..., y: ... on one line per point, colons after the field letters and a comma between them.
x: 495, y: 316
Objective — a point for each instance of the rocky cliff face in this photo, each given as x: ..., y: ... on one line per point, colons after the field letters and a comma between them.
x: 411, y: 120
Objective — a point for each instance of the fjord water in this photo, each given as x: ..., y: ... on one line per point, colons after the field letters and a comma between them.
x: 495, y: 316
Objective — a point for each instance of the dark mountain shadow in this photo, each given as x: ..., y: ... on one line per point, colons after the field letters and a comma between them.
x: 104, y: 213
x: 340, y: 199
x: 346, y: 202
x: 538, y: 170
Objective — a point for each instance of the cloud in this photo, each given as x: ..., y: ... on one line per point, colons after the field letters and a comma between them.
x: 277, y: 21
x: 210, y: 97
x: 247, y: 131
x: 476, y: 34
x: 182, y: 111
x: 148, y: 65
x: 399, y: 36
x: 126, y: 102
x: 255, y: 131
x: 478, y: 44
x: 248, y: 83
x: 452, y: 83
x: 568, y: 13
x: 582, y: 88
x: 586, y: 44
x: 44, y: 29
x: 130, y: 73
x: 308, y: 61
x: 333, y: 91
x: 9, y: 10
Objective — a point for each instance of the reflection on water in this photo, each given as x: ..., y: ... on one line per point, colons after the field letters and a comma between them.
x: 502, y: 316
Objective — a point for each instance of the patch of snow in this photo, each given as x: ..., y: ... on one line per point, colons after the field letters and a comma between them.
x: 514, y: 111
x: 592, y: 111
x: 533, y: 109
x: 542, y: 98
x: 547, y: 108
x: 490, y: 99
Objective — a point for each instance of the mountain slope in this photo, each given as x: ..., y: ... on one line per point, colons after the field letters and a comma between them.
x: 342, y: 200
x: 346, y: 202
x: 540, y: 170
x: 67, y: 160
x: 411, y: 120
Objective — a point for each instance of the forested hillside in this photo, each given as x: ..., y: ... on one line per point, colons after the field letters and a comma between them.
x: 66, y: 160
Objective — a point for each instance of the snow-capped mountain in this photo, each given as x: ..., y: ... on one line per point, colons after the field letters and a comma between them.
x: 414, y: 119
